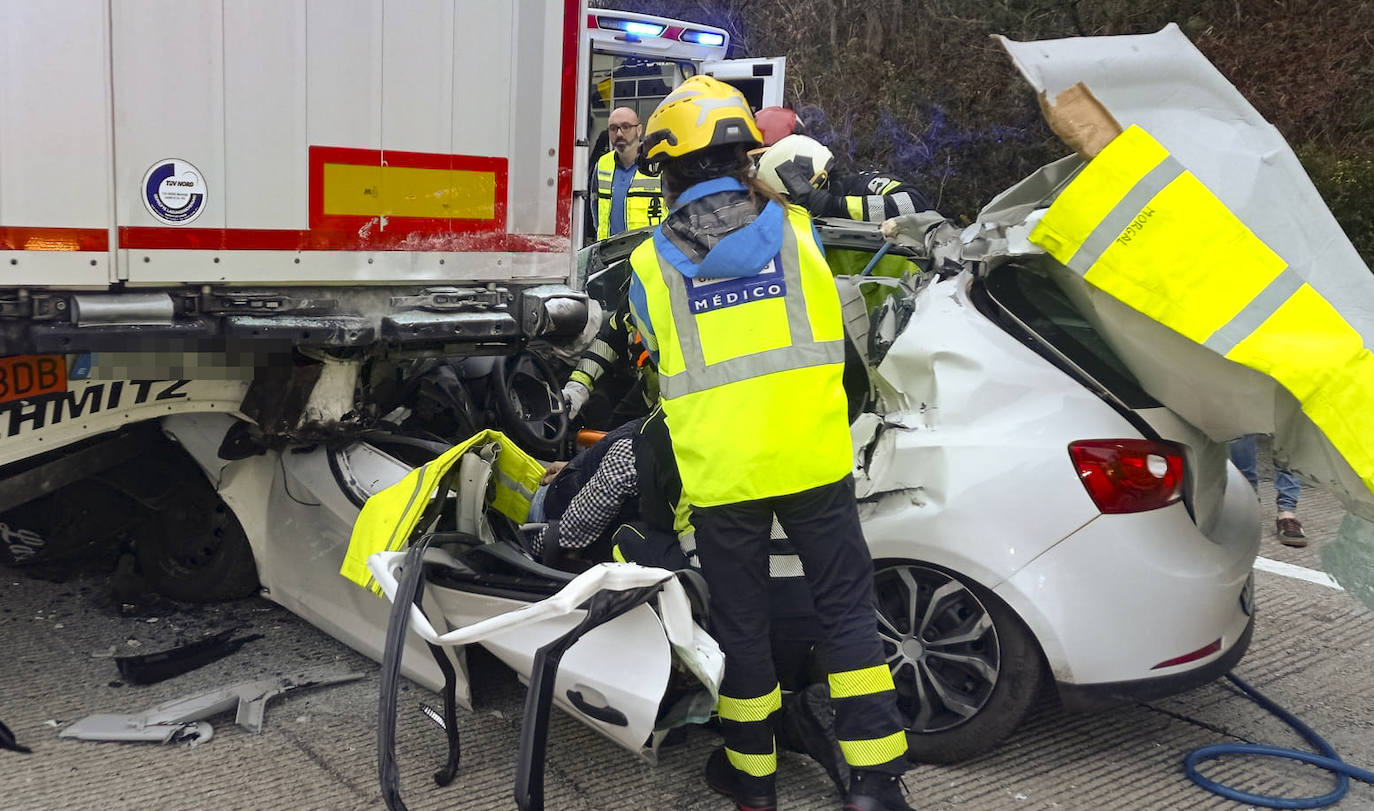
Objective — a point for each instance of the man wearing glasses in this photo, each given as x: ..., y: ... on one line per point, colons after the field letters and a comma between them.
x: 625, y: 199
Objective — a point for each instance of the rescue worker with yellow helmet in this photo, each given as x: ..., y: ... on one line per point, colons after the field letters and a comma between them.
x: 739, y: 312
x: 804, y: 170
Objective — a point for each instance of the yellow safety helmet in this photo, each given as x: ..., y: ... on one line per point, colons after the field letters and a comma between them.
x: 702, y: 112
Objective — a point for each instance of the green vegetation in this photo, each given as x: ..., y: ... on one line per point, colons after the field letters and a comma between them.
x: 919, y: 87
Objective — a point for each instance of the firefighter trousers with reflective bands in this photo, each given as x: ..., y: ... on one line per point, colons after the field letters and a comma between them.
x: 823, y: 525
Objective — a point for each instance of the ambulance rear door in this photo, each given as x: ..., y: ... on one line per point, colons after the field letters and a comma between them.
x: 759, y: 79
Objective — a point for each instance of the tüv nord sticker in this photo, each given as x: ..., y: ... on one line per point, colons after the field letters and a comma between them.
x: 174, y: 191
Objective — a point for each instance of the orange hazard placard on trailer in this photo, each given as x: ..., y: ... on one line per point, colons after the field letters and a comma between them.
x: 417, y: 192
x: 24, y: 376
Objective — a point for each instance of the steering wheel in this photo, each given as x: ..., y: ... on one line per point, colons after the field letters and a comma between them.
x: 530, y: 403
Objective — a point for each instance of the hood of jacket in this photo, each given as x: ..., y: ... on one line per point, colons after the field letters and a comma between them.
x: 715, y: 231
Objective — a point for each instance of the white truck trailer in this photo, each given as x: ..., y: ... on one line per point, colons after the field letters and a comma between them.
x: 267, y: 209
x: 252, y: 228
x: 194, y: 192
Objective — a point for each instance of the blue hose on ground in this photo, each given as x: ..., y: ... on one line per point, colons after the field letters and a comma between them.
x: 1328, y: 759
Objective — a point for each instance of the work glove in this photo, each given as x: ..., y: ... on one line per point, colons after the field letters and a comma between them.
x: 575, y: 395
x: 797, y: 180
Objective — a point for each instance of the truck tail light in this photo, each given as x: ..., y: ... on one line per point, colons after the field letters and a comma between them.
x: 1129, y: 475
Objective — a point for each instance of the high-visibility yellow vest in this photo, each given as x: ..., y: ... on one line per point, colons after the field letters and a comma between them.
x: 389, y: 517
x: 643, y: 200
x: 1139, y: 226
x: 750, y: 372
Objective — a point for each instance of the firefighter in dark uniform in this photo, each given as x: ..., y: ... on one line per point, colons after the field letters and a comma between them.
x: 738, y: 309
x: 804, y: 169
x: 614, y: 369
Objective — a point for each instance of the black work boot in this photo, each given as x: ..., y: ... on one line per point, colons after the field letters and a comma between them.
x: 875, y: 791
x: 749, y: 793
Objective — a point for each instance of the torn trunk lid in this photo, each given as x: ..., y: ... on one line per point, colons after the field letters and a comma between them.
x: 1161, y: 84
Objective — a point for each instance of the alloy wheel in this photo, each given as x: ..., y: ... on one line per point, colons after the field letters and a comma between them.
x: 941, y: 644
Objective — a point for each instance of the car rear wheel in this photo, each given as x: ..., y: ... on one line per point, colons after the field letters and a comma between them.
x: 965, y: 667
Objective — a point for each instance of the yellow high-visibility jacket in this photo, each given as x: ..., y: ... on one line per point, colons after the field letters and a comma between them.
x: 1138, y: 225
x: 750, y: 371
x: 643, y: 201
x: 388, y: 519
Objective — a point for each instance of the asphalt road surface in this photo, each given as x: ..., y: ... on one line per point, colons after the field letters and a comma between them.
x: 1313, y: 652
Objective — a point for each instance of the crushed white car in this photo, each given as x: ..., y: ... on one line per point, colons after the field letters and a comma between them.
x: 1044, y: 507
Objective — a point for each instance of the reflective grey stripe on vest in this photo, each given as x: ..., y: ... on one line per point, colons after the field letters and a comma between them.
x: 781, y: 359
x: 645, y: 188
x: 414, y: 494
x: 511, y: 484
x: 640, y: 185
x: 630, y: 195
x: 1123, y: 214
x: 804, y: 350
x: 1256, y: 312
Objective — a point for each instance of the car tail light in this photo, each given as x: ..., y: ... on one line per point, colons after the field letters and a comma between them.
x: 1129, y: 475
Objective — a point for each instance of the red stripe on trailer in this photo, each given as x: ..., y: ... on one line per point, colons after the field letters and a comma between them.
x: 25, y: 238
x: 258, y: 239
x: 336, y: 232
x: 572, y: 16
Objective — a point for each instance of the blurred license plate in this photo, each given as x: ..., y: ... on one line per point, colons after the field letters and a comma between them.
x: 23, y: 376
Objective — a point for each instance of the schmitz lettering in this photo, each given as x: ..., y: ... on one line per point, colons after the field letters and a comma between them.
x: 36, y: 413
x: 706, y: 295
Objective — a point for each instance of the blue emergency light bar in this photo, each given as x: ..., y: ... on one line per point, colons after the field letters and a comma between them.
x: 703, y: 38
x: 639, y: 29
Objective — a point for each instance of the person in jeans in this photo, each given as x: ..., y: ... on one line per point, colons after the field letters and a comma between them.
x: 1244, y: 455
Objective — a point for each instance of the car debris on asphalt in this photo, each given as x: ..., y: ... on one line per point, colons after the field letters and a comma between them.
x: 182, y: 719
x: 7, y: 741
x: 150, y: 668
